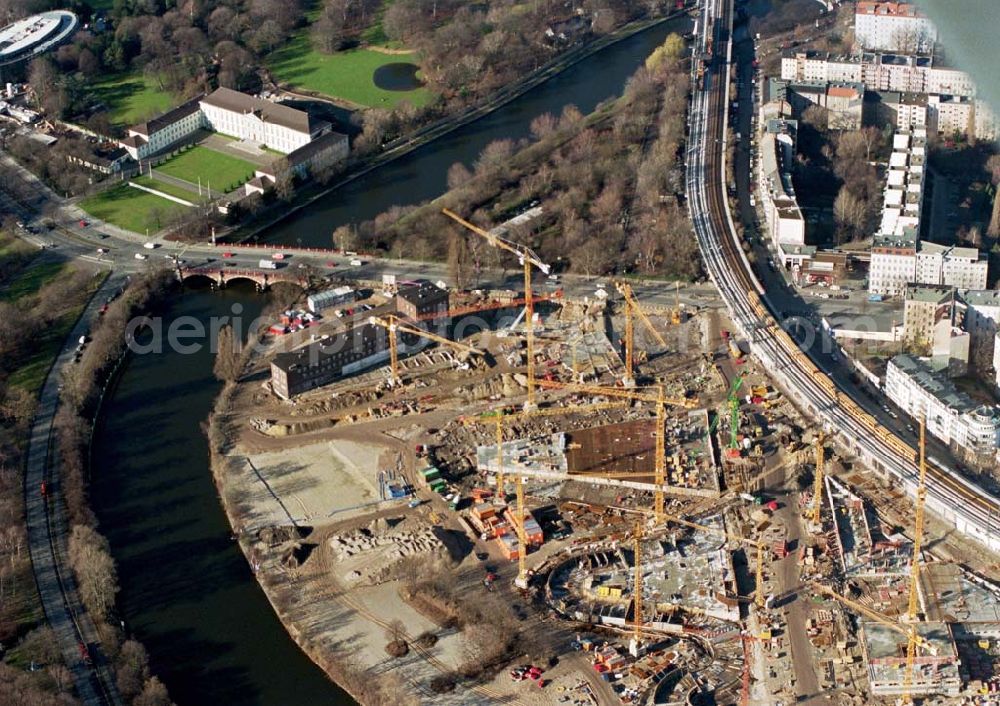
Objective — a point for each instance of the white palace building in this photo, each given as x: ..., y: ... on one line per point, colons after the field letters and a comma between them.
x: 278, y: 127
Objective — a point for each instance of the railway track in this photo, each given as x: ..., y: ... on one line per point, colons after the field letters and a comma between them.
x: 972, y: 510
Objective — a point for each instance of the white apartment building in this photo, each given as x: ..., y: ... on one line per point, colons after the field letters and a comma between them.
x: 982, y: 321
x: 879, y: 72
x: 950, y: 415
x: 893, y: 264
x: 893, y: 26
x: 784, y: 220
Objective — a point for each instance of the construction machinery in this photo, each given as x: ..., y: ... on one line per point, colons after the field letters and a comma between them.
x: 528, y: 259
x: 676, y: 317
x: 913, y: 640
x: 395, y: 326
x: 631, y: 309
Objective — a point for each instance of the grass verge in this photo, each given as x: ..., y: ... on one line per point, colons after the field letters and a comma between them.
x: 132, y: 97
x: 132, y: 209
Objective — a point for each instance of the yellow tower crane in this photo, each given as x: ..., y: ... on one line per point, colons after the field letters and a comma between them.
x: 528, y: 259
x: 394, y: 326
x: 817, y: 501
x: 913, y: 640
x: 661, y: 400
x: 675, y: 315
x: 631, y: 309
x: 637, y: 583
x: 918, y: 539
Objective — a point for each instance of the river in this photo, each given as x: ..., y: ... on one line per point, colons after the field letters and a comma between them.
x: 187, y: 593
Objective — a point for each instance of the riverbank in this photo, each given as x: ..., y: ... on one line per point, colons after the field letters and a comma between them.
x: 341, y: 629
x: 426, y: 135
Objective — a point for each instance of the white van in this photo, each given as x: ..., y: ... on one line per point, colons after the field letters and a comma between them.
x: 150, y: 246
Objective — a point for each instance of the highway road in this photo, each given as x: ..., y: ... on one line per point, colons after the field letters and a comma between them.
x: 48, y: 532
x: 827, y: 398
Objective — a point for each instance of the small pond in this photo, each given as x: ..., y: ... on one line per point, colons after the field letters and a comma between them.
x: 398, y: 76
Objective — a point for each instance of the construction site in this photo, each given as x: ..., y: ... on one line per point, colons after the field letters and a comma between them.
x: 536, y: 497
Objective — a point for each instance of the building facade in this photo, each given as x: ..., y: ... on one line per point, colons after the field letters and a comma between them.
x: 247, y: 117
x: 156, y: 135
x: 950, y: 415
x: 893, y: 26
x: 782, y: 216
x: 360, y: 346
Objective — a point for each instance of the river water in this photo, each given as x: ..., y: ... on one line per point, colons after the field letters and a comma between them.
x: 187, y: 593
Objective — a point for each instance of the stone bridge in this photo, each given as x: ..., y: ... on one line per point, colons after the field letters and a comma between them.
x: 220, y: 276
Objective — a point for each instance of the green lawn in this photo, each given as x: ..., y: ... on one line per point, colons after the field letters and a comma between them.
x: 31, y: 373
x: 132, y: 209
x: 31, y: 280
x: 132, y: 98
x: 166, y: 188
x: 346, y: 74
x: 222, y: 171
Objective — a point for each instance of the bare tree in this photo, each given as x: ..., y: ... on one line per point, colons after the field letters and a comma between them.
x: 90, y: 557
x: 227, y: 356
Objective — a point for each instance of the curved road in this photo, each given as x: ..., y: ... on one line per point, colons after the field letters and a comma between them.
x: 48, y: 531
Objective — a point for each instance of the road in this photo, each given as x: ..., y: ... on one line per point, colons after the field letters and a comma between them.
x: 48, y: 532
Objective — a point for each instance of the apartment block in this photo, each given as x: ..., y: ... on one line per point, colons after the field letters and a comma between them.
x: 782, y: 216
x: 893, y: 26
x: 951, y: 415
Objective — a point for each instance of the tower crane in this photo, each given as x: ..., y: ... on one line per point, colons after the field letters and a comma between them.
x: 394, y: 326
x: 817, y: 500
x: 918, y: 539
x: 913, y: 640
x: 661, y: 400
x: 675, y: 315
x: 631, y: 309
x: 527, y: 257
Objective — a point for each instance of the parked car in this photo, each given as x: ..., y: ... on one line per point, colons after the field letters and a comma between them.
x: 140, y: 256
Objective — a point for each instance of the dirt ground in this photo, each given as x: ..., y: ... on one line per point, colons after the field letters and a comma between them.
x: 311, y: 484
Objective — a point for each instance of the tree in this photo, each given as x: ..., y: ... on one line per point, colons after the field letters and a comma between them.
x: 543, y: 126
x: 131, y: 669
x: 817, y: 117
x: 284, y: 185
x: 90, y: 557
x: 850, y: 214
x: 154, y: 693
x: 458, y: 260
x: 345, y: 237
x: 228, y: 362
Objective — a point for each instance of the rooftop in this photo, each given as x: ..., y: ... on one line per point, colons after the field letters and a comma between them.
x: 929, y: 293
x: 934, y: 384
x: 228, y: 99
x: 982, y: 297
x: 169, y: 118
x: 889, y: 9
x: 35, y: 34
